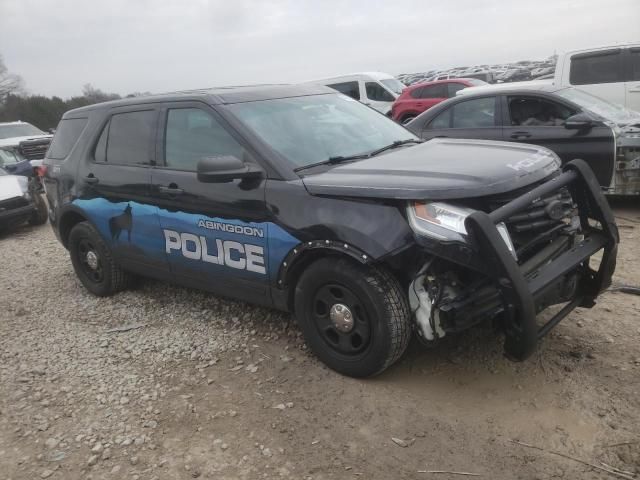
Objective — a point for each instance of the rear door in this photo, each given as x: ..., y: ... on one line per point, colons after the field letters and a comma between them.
x: 430, y: 95
x: 467, y: 118
x: 540, y: 120
x: 215, y: 234
x: 115, y: 180
x: 632, y: 86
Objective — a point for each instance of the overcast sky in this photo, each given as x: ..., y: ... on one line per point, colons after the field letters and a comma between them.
x: 125, y: 46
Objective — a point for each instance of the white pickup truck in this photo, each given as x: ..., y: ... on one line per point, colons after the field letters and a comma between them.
x: 610, y: 72
x: 27, y: 141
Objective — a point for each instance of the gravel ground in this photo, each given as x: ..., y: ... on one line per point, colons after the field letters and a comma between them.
x: 162, y: 382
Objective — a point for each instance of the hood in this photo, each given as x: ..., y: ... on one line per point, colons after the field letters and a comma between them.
x: 439, y: 169
x: 12, y: 186
x: 15, y: 141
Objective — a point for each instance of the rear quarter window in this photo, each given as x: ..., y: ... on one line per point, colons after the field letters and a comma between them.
x: 66, y: 137
x: 597, y: 67
x: 351, y: 89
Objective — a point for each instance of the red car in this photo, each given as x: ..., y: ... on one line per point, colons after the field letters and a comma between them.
x: 420, y: 97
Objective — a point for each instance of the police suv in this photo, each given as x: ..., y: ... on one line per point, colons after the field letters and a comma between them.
x: 305, y: 200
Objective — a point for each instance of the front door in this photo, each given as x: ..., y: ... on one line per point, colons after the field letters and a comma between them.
x: 114, y: 186
x: 215, y: 234
x: 540, y: 121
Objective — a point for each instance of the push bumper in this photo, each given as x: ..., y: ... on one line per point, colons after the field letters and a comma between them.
x: 520, y: 292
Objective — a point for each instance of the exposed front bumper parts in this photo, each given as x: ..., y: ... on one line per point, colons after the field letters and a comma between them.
x: 519, y: 293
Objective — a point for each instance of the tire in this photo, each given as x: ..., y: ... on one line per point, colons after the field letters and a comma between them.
x: 407, y: 118
x: 106, y: 277
x: 41, y: 214
x: 378, y: 309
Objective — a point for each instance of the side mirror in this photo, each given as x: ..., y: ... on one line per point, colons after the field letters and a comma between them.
x: 579, y: 121
x: 225, y: 168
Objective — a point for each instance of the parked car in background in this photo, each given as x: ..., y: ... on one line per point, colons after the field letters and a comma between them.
x: 420, y: 97
x: 376, y: 89
x: 572, y: 123
x: 612, y: 73
x: 22, y: 137
x: 20, y: 201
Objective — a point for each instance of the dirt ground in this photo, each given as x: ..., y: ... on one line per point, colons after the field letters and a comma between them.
x: 203, y: 387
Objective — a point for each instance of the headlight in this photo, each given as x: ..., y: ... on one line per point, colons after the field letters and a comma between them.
x: 446, y: 222
x: 439, y: 220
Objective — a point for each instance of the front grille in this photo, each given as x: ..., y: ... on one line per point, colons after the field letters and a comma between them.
x: 543, y: 214
x: 13, y: 203
x: 34, y: 149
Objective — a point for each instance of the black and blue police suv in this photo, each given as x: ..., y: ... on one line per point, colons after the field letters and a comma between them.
x: 302, y: 199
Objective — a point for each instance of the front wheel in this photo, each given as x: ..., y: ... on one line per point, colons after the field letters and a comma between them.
x: 355, y: 318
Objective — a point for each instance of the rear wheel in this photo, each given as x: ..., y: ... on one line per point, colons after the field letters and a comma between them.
x: 93, y: 262
x: 355, y: 318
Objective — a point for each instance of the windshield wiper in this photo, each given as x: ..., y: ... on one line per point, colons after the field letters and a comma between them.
x: 332, y: 161
x: 393, y: 145
x: 348, y: 158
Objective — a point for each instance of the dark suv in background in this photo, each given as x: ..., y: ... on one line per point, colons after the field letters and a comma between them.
x: 303, y: 199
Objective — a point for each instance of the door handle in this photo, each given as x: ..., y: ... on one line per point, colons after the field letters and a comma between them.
x: 91, y: 179
x: 520, y: 135
x: 172, y: 189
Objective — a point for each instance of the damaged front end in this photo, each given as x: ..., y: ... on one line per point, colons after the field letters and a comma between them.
x: 515, y: 256
x: 626, y: 176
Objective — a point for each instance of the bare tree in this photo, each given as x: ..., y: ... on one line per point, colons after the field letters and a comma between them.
x: 95, y: 95
x: 9, y: 82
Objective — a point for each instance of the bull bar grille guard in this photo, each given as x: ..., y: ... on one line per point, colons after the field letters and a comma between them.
x: 518, y: 293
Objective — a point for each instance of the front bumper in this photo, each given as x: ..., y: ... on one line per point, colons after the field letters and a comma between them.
x: 16, y: 215
x: 520, y: 294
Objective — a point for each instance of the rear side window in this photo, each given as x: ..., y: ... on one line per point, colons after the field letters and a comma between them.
x: 66, y: 136
x: 600, y: 67
x: 476, y: 113
x: 376, y: 92
x: 126, y: 139
x: 431, y: 91
x: 350, y: 89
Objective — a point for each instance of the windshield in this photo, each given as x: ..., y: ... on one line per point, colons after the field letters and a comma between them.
x: 606, y: 110
x: 19, y: 130
x: 476, y: 82
x: 394, y: 85
x: 312, y: 129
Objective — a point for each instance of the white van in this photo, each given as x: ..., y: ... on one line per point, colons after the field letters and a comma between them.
x: 611, y: 73
x: 376, y: 89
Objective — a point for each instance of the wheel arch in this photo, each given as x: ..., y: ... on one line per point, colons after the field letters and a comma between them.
x: 304, y: 254
x: 68, y: 220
